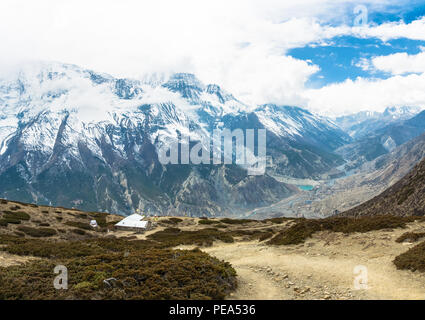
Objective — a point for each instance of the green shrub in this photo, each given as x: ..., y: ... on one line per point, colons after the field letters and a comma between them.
x: 278, y: 220
x: 19, y: 234
x: 237, y: 221
x: 78, y: 231
x: 410, y: 236
x: 11, y: 220
x: 172, y: 220
x: 305, y: 228
x: 37, y: 232
x: 171, y: 237
x: 265, y: 236
x: 146, y: 272
x: 208, y: 222
x: 413, y: 259
x: 78, y: 224
x: 18, y: 215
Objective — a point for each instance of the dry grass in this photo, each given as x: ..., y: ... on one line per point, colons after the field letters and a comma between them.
x: 304, y: 228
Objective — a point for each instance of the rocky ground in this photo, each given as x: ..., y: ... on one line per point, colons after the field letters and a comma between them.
x: 323, y: 267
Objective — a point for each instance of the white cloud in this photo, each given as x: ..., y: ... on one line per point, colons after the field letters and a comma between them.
x: 400, y: 63
x: 366, y: 94
x: 414, y: 30
x: 239, y: 44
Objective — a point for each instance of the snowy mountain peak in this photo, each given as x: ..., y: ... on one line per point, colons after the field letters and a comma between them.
x: 221, y: 95
x: 186, y: 84
x: 401, y: 112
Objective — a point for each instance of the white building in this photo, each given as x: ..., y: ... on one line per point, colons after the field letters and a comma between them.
x: 134, y: 222
x: 93, y: 224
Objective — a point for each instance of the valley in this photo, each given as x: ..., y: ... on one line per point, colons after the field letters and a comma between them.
x: 332, y: 196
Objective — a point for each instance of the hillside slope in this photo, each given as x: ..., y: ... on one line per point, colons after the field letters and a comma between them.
x: 382, y: 140
x: 404, y: 198
x: 192, y: 258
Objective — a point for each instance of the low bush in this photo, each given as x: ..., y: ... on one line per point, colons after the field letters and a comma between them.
x: 19, y: 234
x: 3, y: 223
x: 11, y: 220
x: 37, y: 232
x: 149, y: 274
x: 78, y: 231
x: 18, y: 215
x: 141, y: 270
x: 413, y: 259
x: 278, y: 220
x: 265, y: 236
x: 172, y: 237
x: 250, y: 234
x: 172, y: 220
x: 237, y: 221
x: 305, y: 228
x: 78, y: 224
x: 44, y: 224
x: 208, y: 222
x: 410, y: 236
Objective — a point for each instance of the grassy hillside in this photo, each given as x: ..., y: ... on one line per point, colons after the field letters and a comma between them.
x: 168, y: 262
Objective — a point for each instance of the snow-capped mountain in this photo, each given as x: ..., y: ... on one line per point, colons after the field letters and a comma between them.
x: 382, y: 140
x: 361, y: 124
x: 74, y: 137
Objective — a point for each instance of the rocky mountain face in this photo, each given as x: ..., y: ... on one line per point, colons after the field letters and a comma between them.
x: 382, y: 140
x: 389, y: 168
x: 75, y: 138
x: 329, y: 197
x: 404, y: 198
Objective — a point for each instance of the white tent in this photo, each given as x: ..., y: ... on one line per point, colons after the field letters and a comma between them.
x: 93, y: 223
x: 134, y: 221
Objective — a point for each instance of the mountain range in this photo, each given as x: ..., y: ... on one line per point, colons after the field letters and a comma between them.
x: 382, y: 140
x: 404, y: 198
x: 360, y: 124
x: 76, y: 138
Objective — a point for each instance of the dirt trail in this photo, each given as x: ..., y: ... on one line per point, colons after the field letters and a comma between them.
x: 7, y: 259
x: 323, y: 268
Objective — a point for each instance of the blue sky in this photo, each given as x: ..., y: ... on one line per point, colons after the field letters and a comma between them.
x: 407, y: 12
x: 339, y: 57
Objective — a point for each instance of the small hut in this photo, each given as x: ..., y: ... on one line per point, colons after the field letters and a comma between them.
x: 93, y: 224
x: 134, y: 222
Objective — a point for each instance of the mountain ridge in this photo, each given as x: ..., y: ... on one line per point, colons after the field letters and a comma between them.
x: 404, y: 198
x: 98, y: 135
